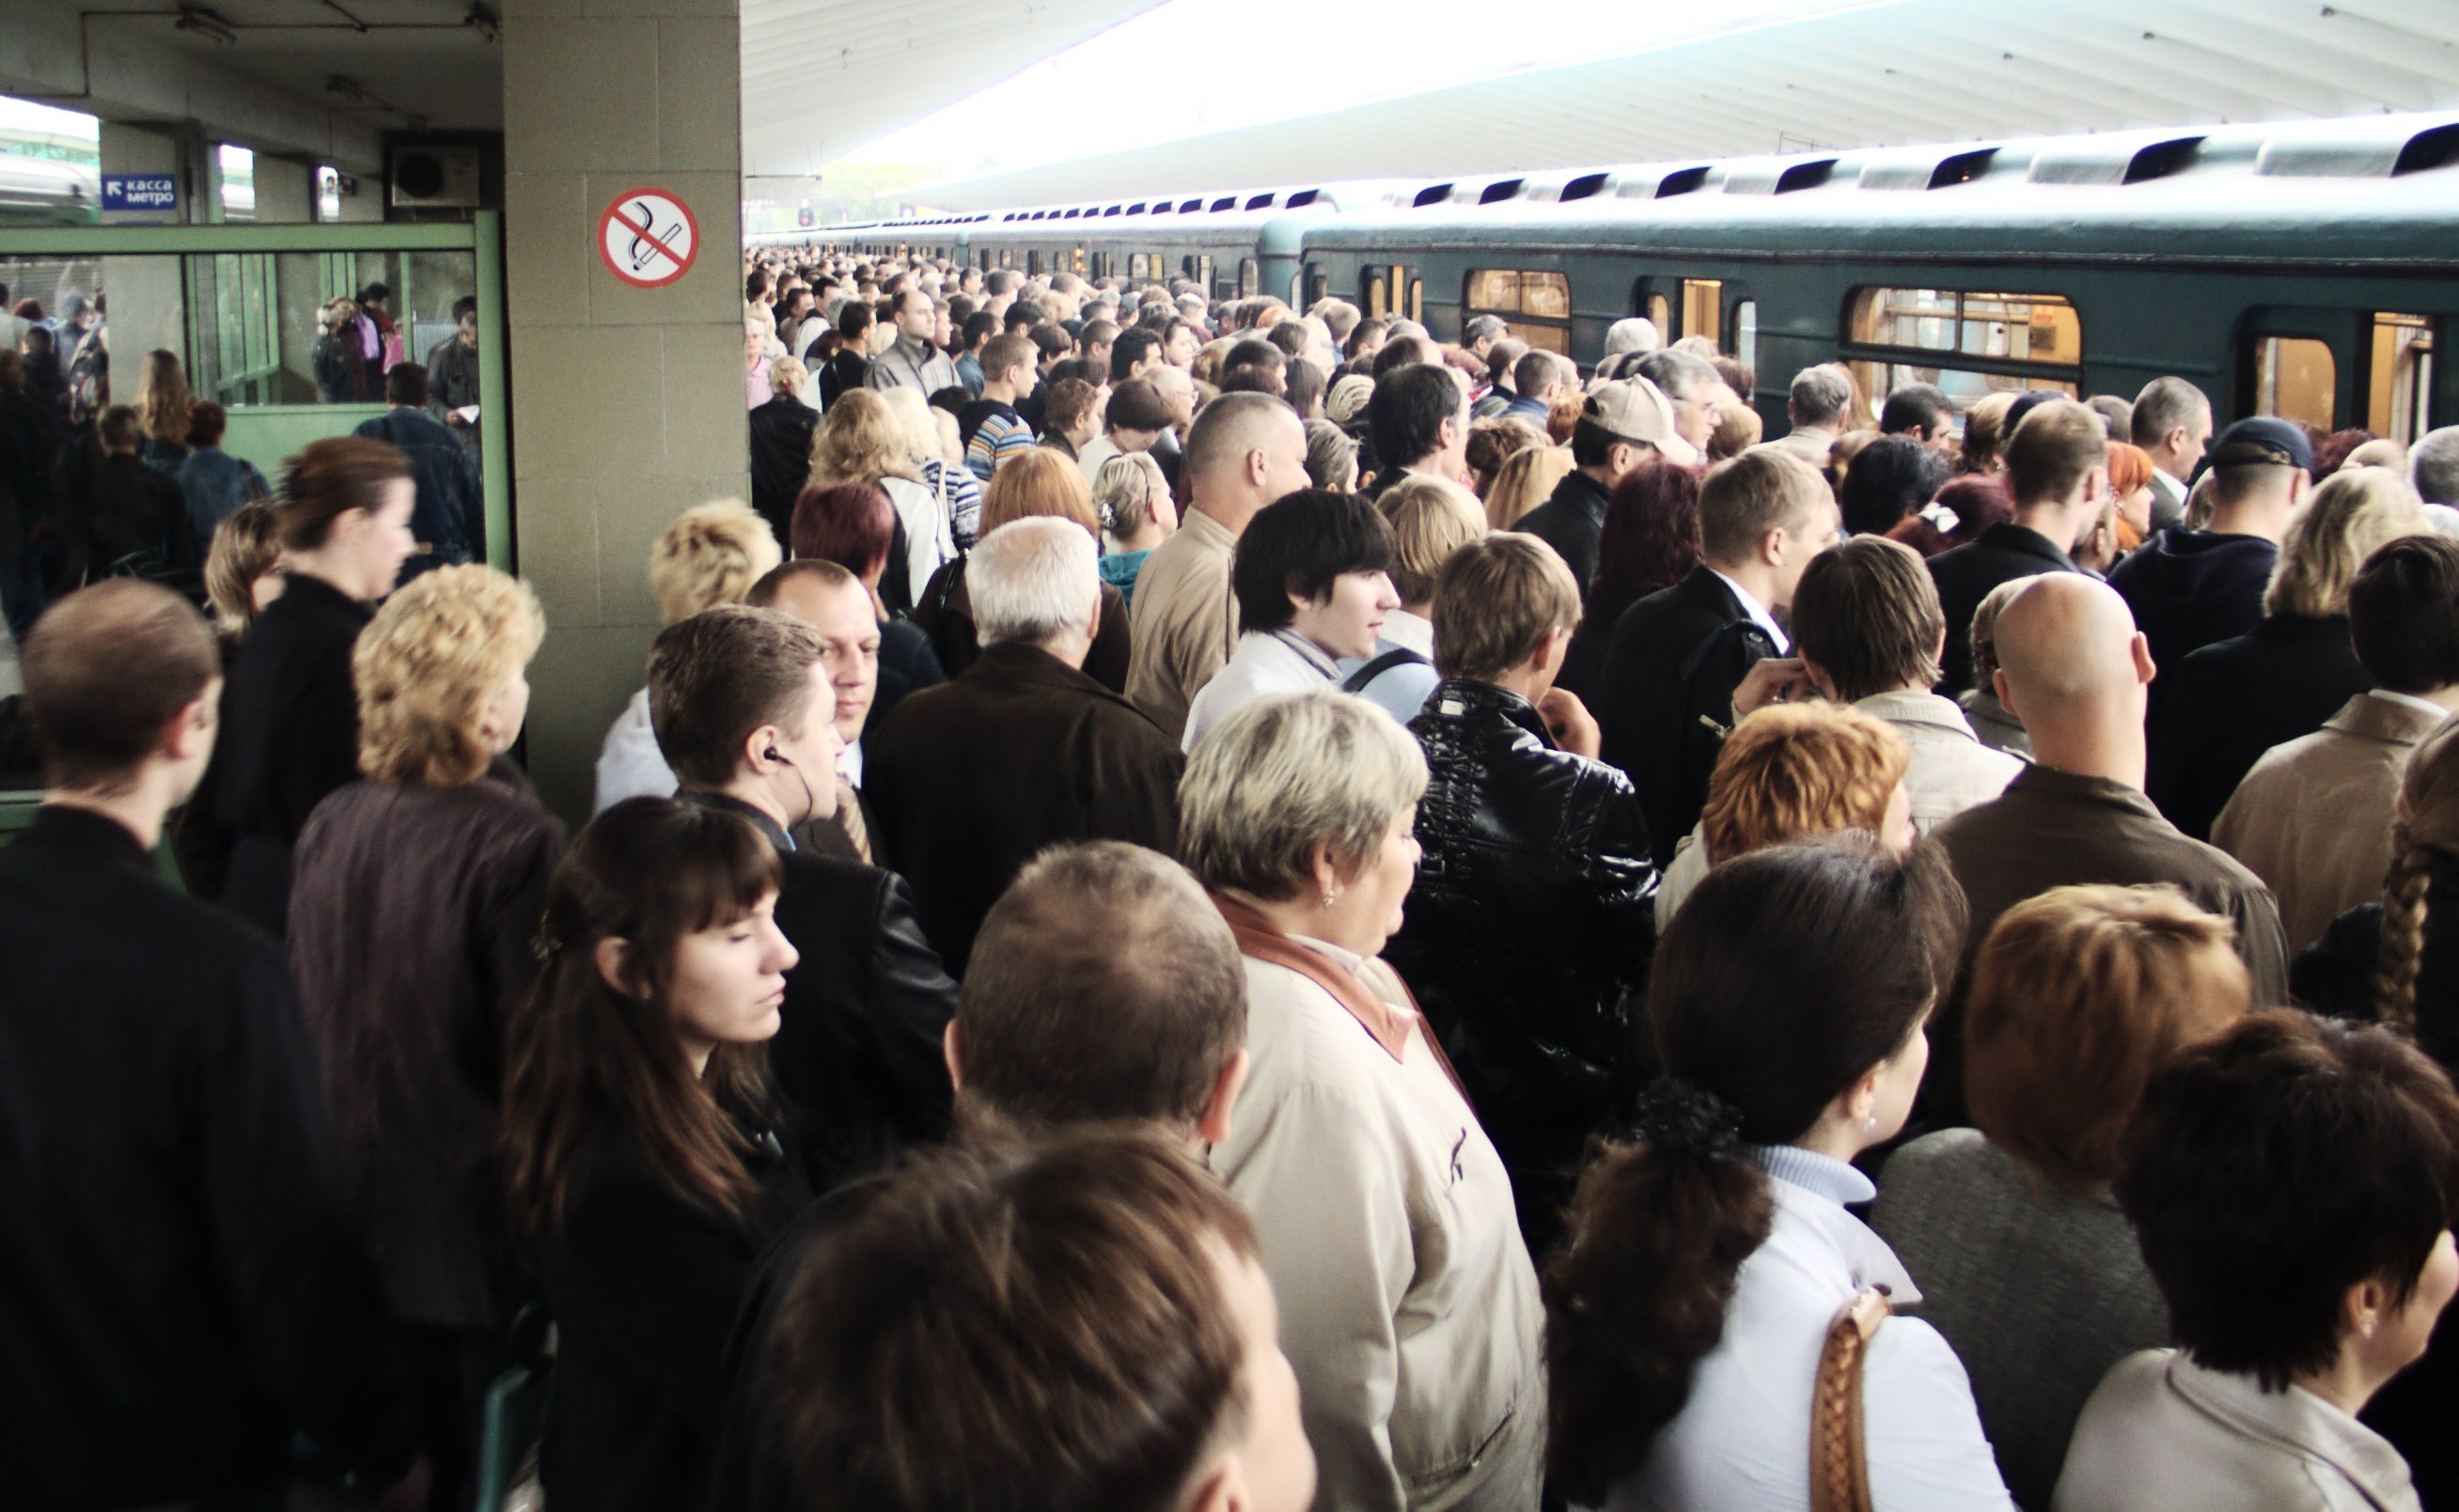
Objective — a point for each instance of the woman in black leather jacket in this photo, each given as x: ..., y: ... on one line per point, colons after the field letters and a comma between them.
x: 1530, y: 928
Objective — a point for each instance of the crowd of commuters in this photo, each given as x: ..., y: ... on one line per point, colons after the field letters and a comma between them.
x: 1203, y: 905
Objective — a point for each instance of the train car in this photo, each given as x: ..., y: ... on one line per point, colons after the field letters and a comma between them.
x: 2303, y: 269
x: 47, y: 191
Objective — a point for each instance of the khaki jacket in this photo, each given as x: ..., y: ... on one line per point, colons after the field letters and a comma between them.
x: 2313, y: 818
x: 1409, y: 1307
x: 1185, y: 621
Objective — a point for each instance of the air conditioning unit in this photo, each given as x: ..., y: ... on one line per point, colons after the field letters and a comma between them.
x: 434, y: 178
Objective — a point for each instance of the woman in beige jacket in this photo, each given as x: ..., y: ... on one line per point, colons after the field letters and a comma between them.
x: 1408, y: 1304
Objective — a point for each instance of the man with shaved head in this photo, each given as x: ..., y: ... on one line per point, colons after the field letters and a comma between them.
x: 2073, y: 668
x: 1244, y: 451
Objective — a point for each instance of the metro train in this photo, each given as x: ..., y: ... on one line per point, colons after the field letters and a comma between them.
x: 2307, y: 269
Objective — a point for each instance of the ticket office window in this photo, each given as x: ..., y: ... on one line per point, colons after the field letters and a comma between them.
x: 1536, y: 302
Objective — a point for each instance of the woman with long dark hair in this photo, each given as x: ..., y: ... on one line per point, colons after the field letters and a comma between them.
x: 1712, y: 1255
x: 644, y: 1169
x: 1649, y: 540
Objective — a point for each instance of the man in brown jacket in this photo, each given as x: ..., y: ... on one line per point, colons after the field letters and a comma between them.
x: 2073, y: 668
x: 1021, y: 751
x: 1244, y: 452
x: 2313, y: 817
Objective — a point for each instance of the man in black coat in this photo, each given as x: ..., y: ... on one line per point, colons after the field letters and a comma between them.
x: 2057, y: 468
x: 186, y: 1290
x: 781, y: 457
x: 1666, y: 694
x: 450, y: 516
x: 1533, y: 919
x: 743, y: 707
x: 1022, y: 750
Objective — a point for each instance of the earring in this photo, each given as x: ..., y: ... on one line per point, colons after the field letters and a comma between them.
x: 1331, y: 895
x: 1870, y: 1123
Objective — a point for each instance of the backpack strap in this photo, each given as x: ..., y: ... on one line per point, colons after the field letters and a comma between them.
x: 1398, y: 657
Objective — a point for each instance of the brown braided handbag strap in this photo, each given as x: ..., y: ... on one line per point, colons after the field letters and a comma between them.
x: 1840, y: 1467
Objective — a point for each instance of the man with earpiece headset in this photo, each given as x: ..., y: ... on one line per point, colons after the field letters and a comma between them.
x: 743, y: 707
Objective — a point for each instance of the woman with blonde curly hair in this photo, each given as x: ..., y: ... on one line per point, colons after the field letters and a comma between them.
x: 417, y: 894
x: 1796, y: 771
x: 709, y: 554
x: 861, y: 439
x: 1034, y: 482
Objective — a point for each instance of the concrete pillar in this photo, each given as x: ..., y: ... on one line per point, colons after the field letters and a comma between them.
x: 604, y: 96
x: 286, y: 191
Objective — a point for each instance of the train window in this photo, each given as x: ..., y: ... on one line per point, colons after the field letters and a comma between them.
x: 2034, y: 328
x: 1537, y: 304
x: 2402, y: 377
x: 1318, y: 285
x: 1246, y: 278
x: 1139, y: 266
x: 2294, y: 378
x: 1033, y: 263
x: 1703, y: 308
x: 1746, y: 333
x: 1659, y: 315
x: 1377, y: 302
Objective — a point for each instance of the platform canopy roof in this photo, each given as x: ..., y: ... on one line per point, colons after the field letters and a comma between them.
x: 820, y: 77
x: 1852, y: 75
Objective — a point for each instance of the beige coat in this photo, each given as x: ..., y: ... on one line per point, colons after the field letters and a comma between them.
x: 1408, y: 1303
x: 1952, y: 770
x: 1184, y: 619
x: 2313, y: 818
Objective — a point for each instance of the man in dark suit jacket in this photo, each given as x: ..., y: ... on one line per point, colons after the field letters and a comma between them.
x: 1666, y: 694
x: 972, y: 779
x: 742, y: 705
x: 2057, y: 466
x: 450, y: 516
x: 186, y: 1287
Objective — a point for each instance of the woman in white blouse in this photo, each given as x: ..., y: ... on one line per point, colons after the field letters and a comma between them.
x: 1710, y: 1254
x: 1408, y: 1304
x: 1313, y: 577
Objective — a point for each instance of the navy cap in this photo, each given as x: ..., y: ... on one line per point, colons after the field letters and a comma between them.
x: 2262, y: 442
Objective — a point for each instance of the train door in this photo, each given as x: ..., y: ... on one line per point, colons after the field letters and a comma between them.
x: 2303, y: 363
x: 1395, y: 291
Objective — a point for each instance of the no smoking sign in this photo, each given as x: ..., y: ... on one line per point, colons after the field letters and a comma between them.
x: 648, y: 237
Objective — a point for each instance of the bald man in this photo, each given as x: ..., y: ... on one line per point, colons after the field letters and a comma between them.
x: 1244, y: 451
x: 2074, y: 669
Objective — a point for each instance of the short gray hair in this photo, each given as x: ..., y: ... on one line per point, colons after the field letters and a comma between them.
x: 1822, y: 394
x: 2163, y: 406
x: 2433, y: 465
x: 1288, y: 771
x: 1677, y: 373
x: 1030, y: 579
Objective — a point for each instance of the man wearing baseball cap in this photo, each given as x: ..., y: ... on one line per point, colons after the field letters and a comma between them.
x: 2189, y: 588
x: 1623, y: 424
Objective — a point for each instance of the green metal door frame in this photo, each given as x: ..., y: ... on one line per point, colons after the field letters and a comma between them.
x: 483, y: 236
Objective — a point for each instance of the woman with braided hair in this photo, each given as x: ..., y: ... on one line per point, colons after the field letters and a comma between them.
x: 2416, y: 978
x: 1712, y: 1252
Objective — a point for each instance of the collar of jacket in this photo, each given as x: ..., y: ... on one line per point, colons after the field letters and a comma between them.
x: 1704, y: 587
x: 308, y: 594
x: 1459, y: 698
x: 728, y: 803
x: 1582, y: 493
x: 1906, y: 708
x: 71, y: 827
x: 2371, y: 716
x: 2049, y: 784
x: 2299, y: 1423
x: 2026, y: 541
x: 1020, y: 662
x: 1258, y: 941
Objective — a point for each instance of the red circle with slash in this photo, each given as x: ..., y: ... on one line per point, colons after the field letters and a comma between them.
x: 648, y: 237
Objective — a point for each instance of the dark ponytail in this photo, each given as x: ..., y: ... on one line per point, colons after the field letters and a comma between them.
x: 1759, y: 1041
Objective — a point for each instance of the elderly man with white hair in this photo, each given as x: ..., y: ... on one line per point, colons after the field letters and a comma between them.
x: 1021, y: 751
